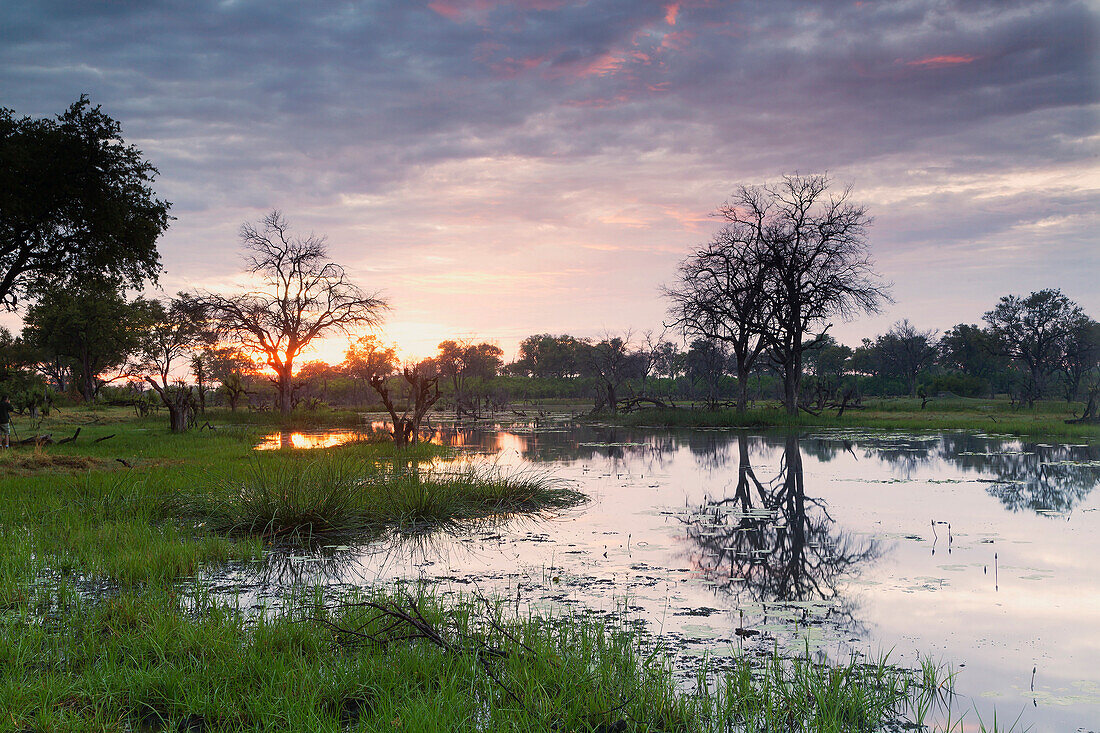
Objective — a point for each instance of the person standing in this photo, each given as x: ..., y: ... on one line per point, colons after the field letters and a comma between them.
x: 5, y: 422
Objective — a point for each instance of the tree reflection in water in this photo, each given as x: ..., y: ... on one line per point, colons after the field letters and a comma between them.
x: 770, y: 542
x: 1023, y: 475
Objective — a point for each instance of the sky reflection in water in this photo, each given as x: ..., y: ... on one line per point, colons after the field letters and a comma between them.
x: 977, y: 549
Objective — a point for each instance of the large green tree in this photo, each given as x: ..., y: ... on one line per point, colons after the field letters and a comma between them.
x: 75, y: 201
x: 91, y: 328
x: 1035, y: 331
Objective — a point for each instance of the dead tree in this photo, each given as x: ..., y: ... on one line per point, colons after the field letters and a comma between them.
x: 423, y: 393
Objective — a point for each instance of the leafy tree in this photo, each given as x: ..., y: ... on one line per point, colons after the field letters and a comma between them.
x: 611, y: 362
x: 17, y: 377
x: 906, y: 351
x: 1035, y: 331
x: 827, y: 362
x: 465, y: 364
x: 232, y: 368
x: 91, y: 328
x: 369, y: 357
x: 174, y: 330
x: 544, y: 355
x: 668, y: 360
x: 1082, y: 356
x: 75, y: 201
x: 706, y: 362
x: 972, y: 350
x: 304, y: 297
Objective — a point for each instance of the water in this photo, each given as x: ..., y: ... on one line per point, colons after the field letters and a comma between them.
x: 976, y: 549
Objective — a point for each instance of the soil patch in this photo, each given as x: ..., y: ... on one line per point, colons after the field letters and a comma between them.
x: 36, y: 462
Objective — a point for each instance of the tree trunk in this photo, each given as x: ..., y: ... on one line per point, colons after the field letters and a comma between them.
x: 742, y: 390
x: 791, y: 378
x: 286, y: 390
x: 179, y: 417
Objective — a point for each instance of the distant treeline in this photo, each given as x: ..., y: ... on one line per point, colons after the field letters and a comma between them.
x: 967, y: 360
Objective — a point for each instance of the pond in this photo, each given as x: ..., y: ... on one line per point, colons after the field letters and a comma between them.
x: 979, y: 550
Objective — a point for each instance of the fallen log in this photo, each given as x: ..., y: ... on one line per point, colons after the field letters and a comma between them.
x: 105, y: 437
x: 70, y: 439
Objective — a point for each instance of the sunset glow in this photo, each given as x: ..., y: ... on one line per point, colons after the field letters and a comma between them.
x: 506, y: 168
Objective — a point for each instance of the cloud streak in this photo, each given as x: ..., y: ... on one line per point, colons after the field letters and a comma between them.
x: 549, y: 136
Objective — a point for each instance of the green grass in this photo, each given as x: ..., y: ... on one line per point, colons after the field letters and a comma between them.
x: 101, y: 630
x: 338, y: 495
x: 994, y: 416
x: 149, y: 506
x: 149, y: 661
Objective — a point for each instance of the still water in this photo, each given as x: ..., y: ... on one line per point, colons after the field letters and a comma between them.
x: 977, y: 550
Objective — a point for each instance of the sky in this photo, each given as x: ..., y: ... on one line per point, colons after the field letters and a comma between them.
x: 499, y: 169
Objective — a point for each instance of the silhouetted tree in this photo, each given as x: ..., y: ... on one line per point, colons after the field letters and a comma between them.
x: 305, y: 296
x: 812, y: 246
x: 544, y: 355
x: 1081, y: 359
x: 973, y: 351
x: 723, y: 286
x: 174, y: 329
x: 611, y: 362
x: 706, y: 362
x: 233, y: 369
x: 368, y: 357
x: 907, y: 351
x: 89, y: 326
x: 75, y: 202
x: 1035, y: 331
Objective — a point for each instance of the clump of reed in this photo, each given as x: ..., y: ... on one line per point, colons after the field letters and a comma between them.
x: 303, y: 500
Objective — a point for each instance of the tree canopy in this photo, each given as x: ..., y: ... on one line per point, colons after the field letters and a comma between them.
x: 75, y: 201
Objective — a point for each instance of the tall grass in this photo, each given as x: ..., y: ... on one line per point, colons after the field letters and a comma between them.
x: 340, y: 495
x: 146, y: 661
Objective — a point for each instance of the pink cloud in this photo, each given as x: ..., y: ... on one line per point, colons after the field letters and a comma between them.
x: 459, y: 10
x: 677, y: 40
x: 511, y: 67
x: 932, y: 62
x: 671, y: 11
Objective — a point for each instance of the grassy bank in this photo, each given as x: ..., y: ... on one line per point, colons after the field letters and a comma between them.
x: 992, y: 416
x: 129, y: 502
x: 146, y: 661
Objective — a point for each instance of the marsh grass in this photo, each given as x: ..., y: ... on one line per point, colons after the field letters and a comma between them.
x: 340, y: 495
x: 1046, y: 418
x: 150, y: 660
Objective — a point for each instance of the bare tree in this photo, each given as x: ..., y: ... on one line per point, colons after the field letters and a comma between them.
x: 422, y: 391
x: 304, y: 297
x: 722, y: 286
x: 814, y: 248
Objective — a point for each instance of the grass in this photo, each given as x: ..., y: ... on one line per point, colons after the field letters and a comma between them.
x: 101, y: 628
x: 306, y: 500
x: 147, y: 661
x: 994, y: 416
